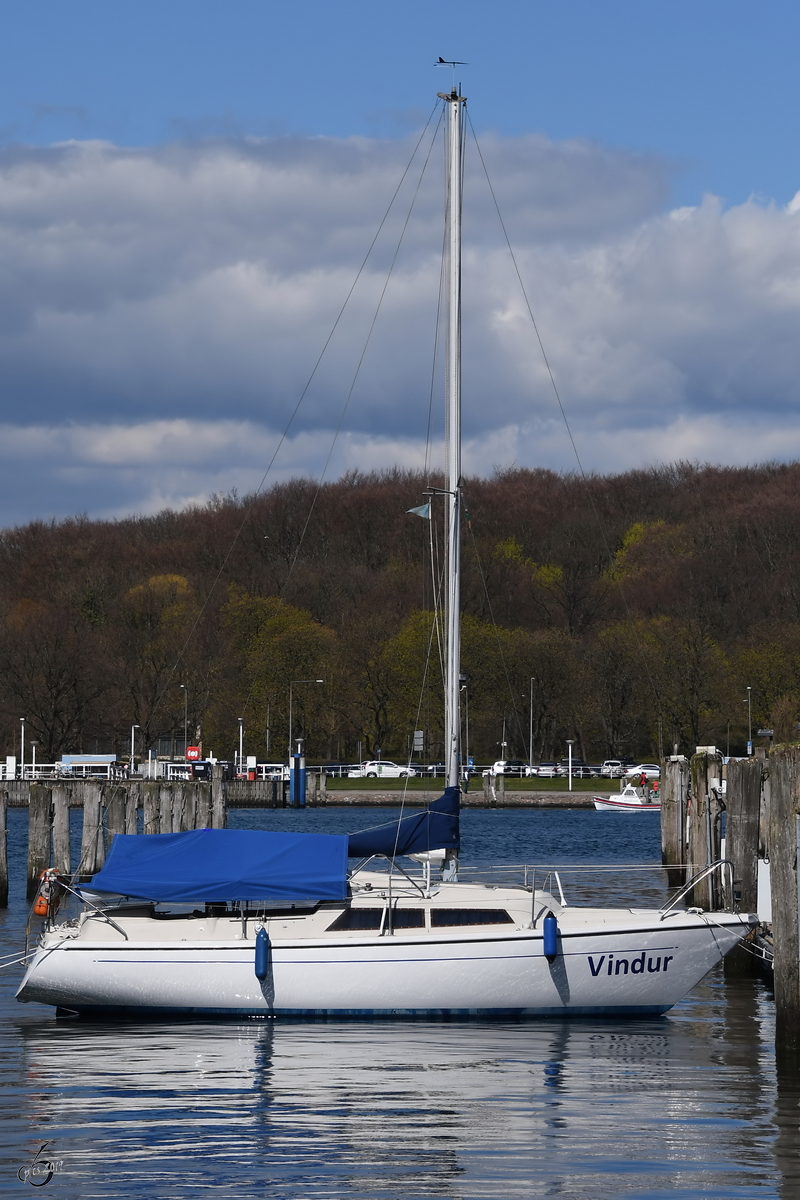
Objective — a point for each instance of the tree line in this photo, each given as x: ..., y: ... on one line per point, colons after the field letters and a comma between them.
x: 630, y: 612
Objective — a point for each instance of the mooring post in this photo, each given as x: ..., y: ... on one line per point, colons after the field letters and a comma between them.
x: 92, y: 848
x: 203, y: 806
x: 61, y: 855
x: 784, y: 842
x: 39, y: 809
x: 323, y: 787
x: 3, y: 847
x: 501, y: 789
x: 674, y: 796
x: 218, y: 813
x: 705, y: 827
x: 165, y: 808
x: 132, y: 793
x: 151, y: 806
x: 116, y: 803
x: 743, y: 807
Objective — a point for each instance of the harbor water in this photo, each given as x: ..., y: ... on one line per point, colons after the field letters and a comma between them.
x: 685, y: 1105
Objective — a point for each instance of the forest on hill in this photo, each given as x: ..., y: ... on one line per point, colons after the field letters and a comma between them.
x: 627, y: 611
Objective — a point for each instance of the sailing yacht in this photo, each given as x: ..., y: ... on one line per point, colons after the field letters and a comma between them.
x: 226, y: 923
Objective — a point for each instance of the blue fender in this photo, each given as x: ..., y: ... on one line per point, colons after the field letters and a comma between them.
x: 550, y: 928
x: 262, y: 954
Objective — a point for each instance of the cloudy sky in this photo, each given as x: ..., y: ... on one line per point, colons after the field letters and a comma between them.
x: 187, y: 191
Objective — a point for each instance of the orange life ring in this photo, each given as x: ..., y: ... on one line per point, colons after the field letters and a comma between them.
x: 48, y: 898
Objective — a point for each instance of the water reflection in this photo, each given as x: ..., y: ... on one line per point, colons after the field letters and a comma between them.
x: 407, y: 1110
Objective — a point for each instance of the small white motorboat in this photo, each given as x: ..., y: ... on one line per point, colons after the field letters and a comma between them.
x: 630, y: 799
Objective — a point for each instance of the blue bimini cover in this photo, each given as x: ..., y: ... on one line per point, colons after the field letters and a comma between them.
x: 434, y: 829
x: 226, y: 864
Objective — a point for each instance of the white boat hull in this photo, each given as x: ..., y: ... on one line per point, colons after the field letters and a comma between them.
x: 642, y: 968
x: 628, y: 800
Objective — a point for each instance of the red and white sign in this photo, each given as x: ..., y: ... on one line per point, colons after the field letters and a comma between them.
x: 192, y: 753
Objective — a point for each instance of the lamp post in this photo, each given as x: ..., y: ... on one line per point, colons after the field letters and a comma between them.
x: 530, y: 730
x: 292, y: 683
x: 241, y: 738
x: 133, y: 743
x: 22, y: 748
x: 33, y: 760
x: 569, y: 745
x: 749, y: 703
x: 185, y: 718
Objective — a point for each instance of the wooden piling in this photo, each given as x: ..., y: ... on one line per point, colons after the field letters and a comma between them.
x: 3, y: 847
x: 203, y: 806
x: 501, y: 789
x: 784, y: 839
x: 116, y: 801
x: 151, y: 806
x: 674, y: 796
x: 132, y: 795
x: 743, y: 806
x: 165, y: 809
x: 61, y: 849
x: 93, y: 851
x: 705, y: 828
x: 323, y: 788
x: 39, y: 807
x: 218, y: 813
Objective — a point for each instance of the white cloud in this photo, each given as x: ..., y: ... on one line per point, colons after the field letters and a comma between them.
x: 161, y: 310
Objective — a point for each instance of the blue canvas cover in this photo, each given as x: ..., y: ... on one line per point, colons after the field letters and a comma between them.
x: 226, y: 864
x: 434, y: 829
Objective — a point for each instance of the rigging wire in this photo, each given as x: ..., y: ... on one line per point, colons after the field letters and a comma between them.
x: 250, y: 501
x: 584, y: 477
x: 364, y: 349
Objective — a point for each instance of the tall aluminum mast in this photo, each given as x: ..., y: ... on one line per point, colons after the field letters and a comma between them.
x: 455, y: 141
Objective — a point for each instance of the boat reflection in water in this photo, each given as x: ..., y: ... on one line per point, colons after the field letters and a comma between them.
x: 404, y: 1109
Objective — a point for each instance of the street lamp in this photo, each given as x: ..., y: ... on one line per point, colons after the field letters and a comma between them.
x: 22, y: 748
x: 569, y: 744
x: 291, y: 685
x: 530, y: 730
x: 185, y: 718
x: 749, y: 703
x: 33, y: 760
x: 241, y: 737
x: 133, y: 743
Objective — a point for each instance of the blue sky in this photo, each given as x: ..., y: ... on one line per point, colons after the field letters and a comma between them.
x: 187, y: 187
x: 709, y: 84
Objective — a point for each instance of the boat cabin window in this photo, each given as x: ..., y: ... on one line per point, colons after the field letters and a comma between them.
x: 408, y: 918
x: 441, y: 917
x: 370, y: 918
x: 358, y: 918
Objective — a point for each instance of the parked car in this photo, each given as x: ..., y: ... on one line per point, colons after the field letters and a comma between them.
x: 649, y: 770
x: 615, y: 768
x: 381, y: 769
x: 580, y: 769
x: 435, y: 769
x: 510, y: 766
x: 547, y: 770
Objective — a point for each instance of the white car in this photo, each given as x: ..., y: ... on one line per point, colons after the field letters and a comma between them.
x: 649, y: 770
x: 381, y: 769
